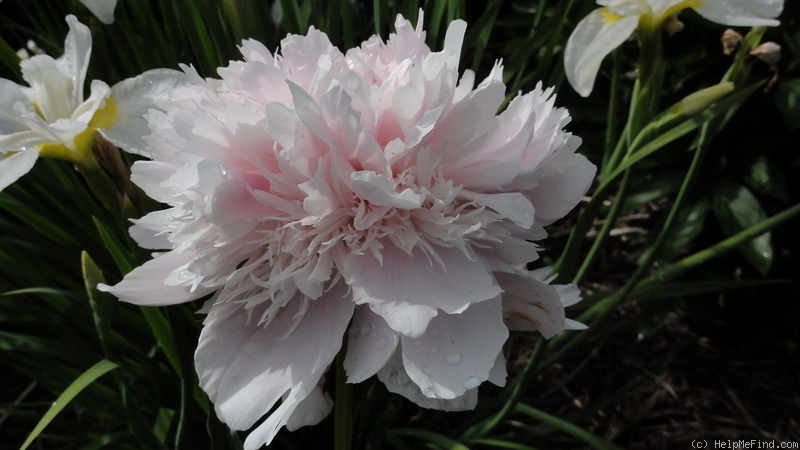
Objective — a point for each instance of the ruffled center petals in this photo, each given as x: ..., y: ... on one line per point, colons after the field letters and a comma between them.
x: 407, y: 289
x: 246, y: 367
x: 379, y: 190
x: 457, y: 352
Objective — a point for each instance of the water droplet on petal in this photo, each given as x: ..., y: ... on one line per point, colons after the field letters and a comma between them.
x: 381, y: 343
x: 433, y: 330
x: 429, y: 392
x: 453, y: 359
x: 434, y: 349
x: 472, y: 382
x: 365, y: 330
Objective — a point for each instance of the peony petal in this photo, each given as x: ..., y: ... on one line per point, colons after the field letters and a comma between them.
x: 407, y: 289
x: 457, y: 351
x: 15, y: 166
x: 246, y: 368
x: 394, y: 376
x: 132, y: 98
x: 377, y: 189
x: 595, y: 37
x: 511, y: 205
x: 147, y: 284
x: 311, y: 410
x: 566, y: 180
x: 370, y: 345
x: 102, y: 9
x: 531, y: 304
x: 741, y: 13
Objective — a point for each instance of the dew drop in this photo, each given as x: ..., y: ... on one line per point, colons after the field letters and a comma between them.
x: 433, y: 330
x: 381, y: 343
x: 472, y: 382
x: 429, y: 392
x: 365, y: 330
x: 434, y: 349
x: 453, y: 359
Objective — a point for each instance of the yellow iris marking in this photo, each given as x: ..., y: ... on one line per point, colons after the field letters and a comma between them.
x: 105, y: 116
x: 610, y: 16
x: 83, y: 147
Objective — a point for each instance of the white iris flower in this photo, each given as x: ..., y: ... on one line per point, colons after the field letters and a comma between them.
x: 606, y: 28
x: 51, y: 118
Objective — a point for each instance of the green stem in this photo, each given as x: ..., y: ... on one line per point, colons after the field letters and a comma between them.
x: 613, y: 112
x: 602, y: 310
x: 513, y: 392
x: 343, y: 408
x: 567, y: 427
x: 602, y: 235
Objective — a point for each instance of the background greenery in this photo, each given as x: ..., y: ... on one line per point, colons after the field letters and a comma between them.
x: 700, y: 348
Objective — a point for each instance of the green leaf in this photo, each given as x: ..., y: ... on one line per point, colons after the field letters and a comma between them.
x: 429, y: 436
x: 9, y: 58
x: 687, y: 226
x: 765, y: 177
x: 787, y: 99
x: 736, y: 209
x: 101, y: 308
x: 673, y: 290
x: 118, y: 252
x: 160, y: 326
x: 87, y: 378
x: 565, y: 426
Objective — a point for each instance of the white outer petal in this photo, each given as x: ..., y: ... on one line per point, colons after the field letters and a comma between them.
x: 102, y: 9
x: 51, y: 89
x: 565, y: 180
x: 406, y: 290
x: 77, y: 51
x: 15, y: 166
x: 146, y: 284
x: 134, y: 97
x: 246, y: 368
x: 531, y: 304
x: 741, y: 13
x: 394, y: 376
x: 369, y: 346
x: 592, y: 40
x: 311, y: 410
x: 457, y: 352
x: 10, y: 94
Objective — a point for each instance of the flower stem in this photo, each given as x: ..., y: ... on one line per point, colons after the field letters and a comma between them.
x: 343, y: 408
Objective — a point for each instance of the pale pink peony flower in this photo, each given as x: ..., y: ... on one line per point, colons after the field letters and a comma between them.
x: 311, y: 190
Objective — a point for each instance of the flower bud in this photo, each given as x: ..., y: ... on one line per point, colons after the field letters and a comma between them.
x: 697, y: 102
x: 769, y: 52
x: 673, y: 25
x: 731, y: 39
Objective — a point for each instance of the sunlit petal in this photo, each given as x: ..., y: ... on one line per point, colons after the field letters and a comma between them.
x: 595, y: 37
